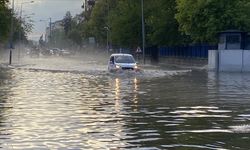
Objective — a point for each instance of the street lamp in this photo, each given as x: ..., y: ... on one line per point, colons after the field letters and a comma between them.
x: 143, y: 31
x: 11, y: 31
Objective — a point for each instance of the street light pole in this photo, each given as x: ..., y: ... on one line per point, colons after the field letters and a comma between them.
x: 50, y: 30
x: 143, y: 31
x: 20, y: 36
x: 11, y: 31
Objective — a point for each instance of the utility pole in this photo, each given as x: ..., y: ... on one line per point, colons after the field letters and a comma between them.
x: 143, y: 31
x: 11, y: 31
x: 50, y: 35
x: 20, y: 34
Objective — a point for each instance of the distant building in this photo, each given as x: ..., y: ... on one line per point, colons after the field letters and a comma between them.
x: 57, y: 25
x: 78, y: 18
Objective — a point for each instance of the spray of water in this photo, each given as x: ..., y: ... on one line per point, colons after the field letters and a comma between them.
x: 90, y: 61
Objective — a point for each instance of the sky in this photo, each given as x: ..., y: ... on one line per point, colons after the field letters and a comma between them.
x: 45, y: 9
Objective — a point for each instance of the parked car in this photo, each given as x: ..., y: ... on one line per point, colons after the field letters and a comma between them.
x: 119, y: 62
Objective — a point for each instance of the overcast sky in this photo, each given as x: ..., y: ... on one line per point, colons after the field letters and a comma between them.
x: 44, y: 9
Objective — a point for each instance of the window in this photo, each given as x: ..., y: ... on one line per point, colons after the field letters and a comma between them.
x: 124, y: 59
x: 222, y: 40
x: 112, y: 59
x: 233, y: 39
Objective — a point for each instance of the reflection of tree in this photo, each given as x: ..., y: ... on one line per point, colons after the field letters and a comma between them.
x: 5, y: 104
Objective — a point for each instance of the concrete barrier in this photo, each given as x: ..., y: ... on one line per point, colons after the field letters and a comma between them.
x: 213, y: 60
x: 230, y: 60
x: 246, y: 61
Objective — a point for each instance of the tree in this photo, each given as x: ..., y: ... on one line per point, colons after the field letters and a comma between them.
x: 67, y: 22
x: 125, y: 23
x: 202, y: 20
x: 21, y: 27
x: 99, y: 20
x: 5, y: 15
x: 75, y: 34
x: 162, y: 27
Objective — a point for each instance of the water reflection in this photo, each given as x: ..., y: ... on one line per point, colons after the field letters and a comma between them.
x: 68, y: 110
x: 233, y: 92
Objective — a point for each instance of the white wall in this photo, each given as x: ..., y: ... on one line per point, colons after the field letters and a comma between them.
x: 231, y: 60
x: 246, y: 61
x: 213, y: 60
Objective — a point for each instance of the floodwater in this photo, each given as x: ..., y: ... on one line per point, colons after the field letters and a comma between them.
x: 44, y: 107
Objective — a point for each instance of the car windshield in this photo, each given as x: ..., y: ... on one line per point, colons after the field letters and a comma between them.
x: 124, y: 59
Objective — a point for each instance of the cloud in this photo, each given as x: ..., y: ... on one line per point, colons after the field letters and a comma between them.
x: 54, y: 9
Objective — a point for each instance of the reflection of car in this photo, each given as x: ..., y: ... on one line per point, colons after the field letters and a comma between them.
x: 119, y: 62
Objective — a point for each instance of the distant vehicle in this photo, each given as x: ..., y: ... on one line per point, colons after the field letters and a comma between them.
x: 119, y: 62
x: 55, y: 51
x: 60, y: 52
x: 46, y: 52
x: 64, y: 52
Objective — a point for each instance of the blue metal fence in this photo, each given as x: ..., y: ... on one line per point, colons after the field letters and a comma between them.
x: 196, y: 51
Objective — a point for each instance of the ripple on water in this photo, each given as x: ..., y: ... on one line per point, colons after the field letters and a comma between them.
x: 92, y: 109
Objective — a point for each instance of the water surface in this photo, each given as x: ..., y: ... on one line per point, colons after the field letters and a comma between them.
x: 44, y: 109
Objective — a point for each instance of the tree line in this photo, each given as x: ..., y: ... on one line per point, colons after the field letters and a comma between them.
x: 167, y: 22
x: 21, y: 27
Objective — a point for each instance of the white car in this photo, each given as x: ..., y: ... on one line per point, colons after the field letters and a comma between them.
x: 118, y: 62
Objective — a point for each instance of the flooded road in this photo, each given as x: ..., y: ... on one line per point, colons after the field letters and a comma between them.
x: 46, y: 108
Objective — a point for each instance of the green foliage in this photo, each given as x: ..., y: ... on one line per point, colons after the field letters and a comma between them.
x: 5, y: 19
x: 202, y: 20
x: 125, y: 23
x: 67, y: 22
x: 162, y: 25
x: 167, y: 22
x: 98, y: 21
x: 75, y: 37
x: 21, y: 27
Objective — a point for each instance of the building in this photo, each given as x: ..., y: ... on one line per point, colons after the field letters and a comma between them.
x: 57, y: 25
x: 233, y: 52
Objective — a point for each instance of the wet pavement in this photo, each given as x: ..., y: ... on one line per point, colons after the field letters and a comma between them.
x: 64, y: 103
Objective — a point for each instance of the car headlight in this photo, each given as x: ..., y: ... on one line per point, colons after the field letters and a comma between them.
x: 117, y: 67
x: 136, y: 67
